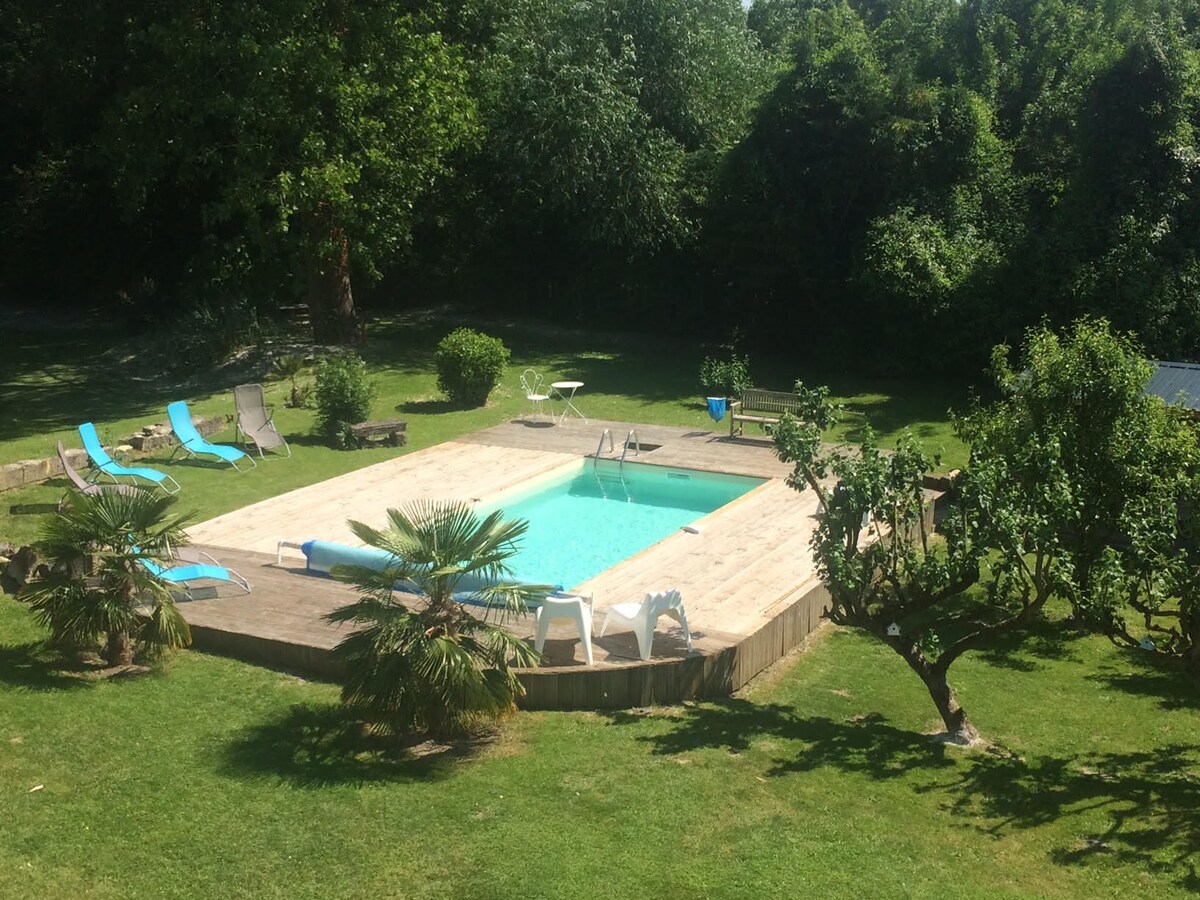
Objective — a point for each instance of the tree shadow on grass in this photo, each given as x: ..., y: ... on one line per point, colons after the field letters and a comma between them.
x: 321, y: 745
x: 309, y: 439
x: 1145, y: 675
x: 1137, y: 808
x: 430, y: 407
x: 864, y: 744
x: 32, y: 509
x: 36, y: 667
x: 190, y: 462
x: 1026, y: 649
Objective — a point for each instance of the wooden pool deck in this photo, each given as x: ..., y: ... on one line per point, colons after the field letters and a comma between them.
x: 746, y: 578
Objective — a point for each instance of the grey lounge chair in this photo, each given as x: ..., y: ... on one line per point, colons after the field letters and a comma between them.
x: 255, y: 419
x: 86, y: 487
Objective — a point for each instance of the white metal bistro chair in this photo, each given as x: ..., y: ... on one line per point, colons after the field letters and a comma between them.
x: 531, y: 384
x: 642, y: 617
x: 559, y: 607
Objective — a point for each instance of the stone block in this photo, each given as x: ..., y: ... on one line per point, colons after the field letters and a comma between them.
x: 11, y: 476
x: 159, y: 435
x: 78, y: 459
x: 36, y: 470
x: 18, y: 570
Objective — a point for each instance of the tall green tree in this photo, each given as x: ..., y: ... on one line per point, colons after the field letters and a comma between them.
x: 931, y: 171
x: 1083, y: 392
x: 61, y: 239
x: 1150, y: 598
x: 242, y: 149
x: 97, y: 586
x: 989, y: 571
x: 304, y: 131
x: 604, y: 122
x: 428, y: 663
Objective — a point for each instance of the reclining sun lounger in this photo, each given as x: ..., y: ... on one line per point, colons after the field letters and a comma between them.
x: 106, y: 465
x: 86, y: 487
x: 195, y: 569
x: 191, y: 440
x: 255, y: 420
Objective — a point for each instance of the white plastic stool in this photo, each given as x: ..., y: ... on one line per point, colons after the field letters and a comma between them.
x: 566, y: 608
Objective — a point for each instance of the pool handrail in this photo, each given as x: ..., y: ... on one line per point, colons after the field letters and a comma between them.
x: 632, y: 437
x: 600, y: 446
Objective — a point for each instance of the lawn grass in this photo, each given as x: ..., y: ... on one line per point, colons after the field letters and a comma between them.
x: 218, y: 778
x: 50, y: 382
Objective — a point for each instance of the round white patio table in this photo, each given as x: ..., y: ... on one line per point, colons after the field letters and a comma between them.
x: 566, y: 391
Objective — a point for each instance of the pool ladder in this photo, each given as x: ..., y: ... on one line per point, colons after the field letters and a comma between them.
x: 631, y: 439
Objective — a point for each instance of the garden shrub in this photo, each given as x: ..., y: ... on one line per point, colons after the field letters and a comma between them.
x: 344, y: 395
x: 725, y: 377
x: 469, y: 365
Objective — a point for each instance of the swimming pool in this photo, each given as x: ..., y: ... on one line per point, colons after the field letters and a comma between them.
x: 593, y: 516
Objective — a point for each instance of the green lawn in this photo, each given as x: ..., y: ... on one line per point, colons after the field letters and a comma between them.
x: 49, y: 383
x: 218, y: 778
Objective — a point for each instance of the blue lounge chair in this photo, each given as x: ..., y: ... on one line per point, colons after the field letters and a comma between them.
x: 191, y: 440
x: 194, y: 569
x: 106, y: 465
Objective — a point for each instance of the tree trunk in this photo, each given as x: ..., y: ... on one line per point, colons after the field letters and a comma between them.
x: 119, y: 649
x: 330, y: 300
x: 1189, y: 626
x: 958, y: 726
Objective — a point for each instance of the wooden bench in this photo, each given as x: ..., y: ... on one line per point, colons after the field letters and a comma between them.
x: 388, y: 431
x: 763, y: 407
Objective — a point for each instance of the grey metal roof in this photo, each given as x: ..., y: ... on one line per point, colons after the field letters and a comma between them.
x: 1176, y: 382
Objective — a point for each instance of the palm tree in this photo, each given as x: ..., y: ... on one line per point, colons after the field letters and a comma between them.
x: 435, y: 666
x: 292, y: 367
x: 97, y: 585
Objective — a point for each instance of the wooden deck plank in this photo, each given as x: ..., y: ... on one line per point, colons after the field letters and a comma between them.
x: 455, y: 471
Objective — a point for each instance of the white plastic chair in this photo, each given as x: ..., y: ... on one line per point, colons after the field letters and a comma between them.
x: 566, y: 608
x: 642, y: 617
x: 531, y: 384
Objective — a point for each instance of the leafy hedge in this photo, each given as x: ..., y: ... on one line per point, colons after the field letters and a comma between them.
x: 469, y: 365
x: 344, y: 396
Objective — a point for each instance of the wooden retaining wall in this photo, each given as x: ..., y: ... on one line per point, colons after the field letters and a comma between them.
x: 279, y: 654
x: 606, y: 686
x: 668, y: 681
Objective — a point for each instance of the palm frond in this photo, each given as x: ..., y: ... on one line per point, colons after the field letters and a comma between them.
x: 439, y: 668
x: 166, y: 629
x: 510, y: 599
x: 96, y: 548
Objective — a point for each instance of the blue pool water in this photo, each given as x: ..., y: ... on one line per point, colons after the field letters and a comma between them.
x: 590, y: 519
